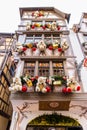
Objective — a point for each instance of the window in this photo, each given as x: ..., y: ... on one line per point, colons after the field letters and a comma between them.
x: 58, y: 68
x: 43, y: 69
x: 85, y: 37
x: 29, y: 40
x: 29, y: 68
x: 37, y: 38
x: 33, y: 38
x: 48, y: 39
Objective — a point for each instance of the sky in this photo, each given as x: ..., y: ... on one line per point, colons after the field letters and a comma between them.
x: 10, y: 17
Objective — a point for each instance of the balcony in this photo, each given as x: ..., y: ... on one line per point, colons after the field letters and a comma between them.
x: 42, y: 28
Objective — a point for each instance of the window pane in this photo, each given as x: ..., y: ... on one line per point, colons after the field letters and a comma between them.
x: 58, y: 68
x: 29, y: 68
x: 43, y: 69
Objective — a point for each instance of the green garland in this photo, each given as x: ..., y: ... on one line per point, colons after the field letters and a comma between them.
x: 54, y: 119
x: 61, y: 78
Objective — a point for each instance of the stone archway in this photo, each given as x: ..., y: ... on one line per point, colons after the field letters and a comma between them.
x: 53, y: 122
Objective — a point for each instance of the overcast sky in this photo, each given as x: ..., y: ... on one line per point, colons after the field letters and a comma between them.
x: 9, y: 10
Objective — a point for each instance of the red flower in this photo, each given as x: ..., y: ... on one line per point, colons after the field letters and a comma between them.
x: 36, y: 77
x: 44, y: 27
x: 85, y: 62
x: 34, y: 49
x: 65, y: 78
x: 58, y: 27
x: 47, y: 81
x: 40, y: 15
x: 24, y: 49
x: 69, y: 90
x: 78, y: 88
x: 64, y: 90
x: 50, y: 47
x: 32, y: 26
x: 60, y: 49
x: 24, y: 88
x: 33, y: 14
x: 32, y: 79
x: 48, y: 89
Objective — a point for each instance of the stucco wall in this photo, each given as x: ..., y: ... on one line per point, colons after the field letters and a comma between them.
x: 20, y: 120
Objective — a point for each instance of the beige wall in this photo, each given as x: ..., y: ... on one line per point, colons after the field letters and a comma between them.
x: 3, y: 123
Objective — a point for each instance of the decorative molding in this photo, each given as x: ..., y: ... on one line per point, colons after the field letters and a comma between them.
x: 83, y: 110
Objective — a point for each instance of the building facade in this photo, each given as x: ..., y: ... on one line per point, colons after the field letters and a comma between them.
x: 46, y: 66
x: 44, y: 74
x: 81, y: 31
x: 6, y: 73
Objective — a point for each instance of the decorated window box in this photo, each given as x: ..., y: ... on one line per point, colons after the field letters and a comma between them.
x: 60, y: 47
x: 36, y: 52
x: 49, y: 48
x: 42, y: 85
x: 41, y: 48
x: 36, y: 26
x: 25, y: 49
x: 51, y: 26
x: 28, y: 52
x: 30, y: 84
x: 38, y: 14
x: 64, y: 84
x: 57, y: 83
x: 71, y: 86
x: 22, y: 84
x: 49, y: 51
x: 28, y: 26
x: 47, y: 27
